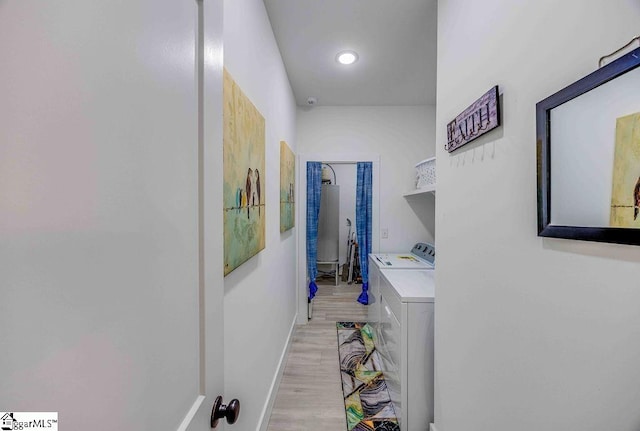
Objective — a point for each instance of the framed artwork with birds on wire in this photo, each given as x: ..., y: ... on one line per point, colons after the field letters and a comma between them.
x: 244, y: 176
x: 287, y: 187
x: 588, y: 153
x: 625, y: 195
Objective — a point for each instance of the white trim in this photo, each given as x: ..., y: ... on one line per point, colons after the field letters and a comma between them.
x: 432, y: 427
x: 301, y: 223
x: 184, y: 425
x: 275, y: 384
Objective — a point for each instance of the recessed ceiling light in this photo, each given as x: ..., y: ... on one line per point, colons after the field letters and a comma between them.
x: 347, y: 57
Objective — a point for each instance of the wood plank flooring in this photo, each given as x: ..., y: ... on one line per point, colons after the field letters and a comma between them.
x: 310, y: 394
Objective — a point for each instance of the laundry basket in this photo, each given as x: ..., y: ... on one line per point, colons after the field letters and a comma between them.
x: 426, y: 173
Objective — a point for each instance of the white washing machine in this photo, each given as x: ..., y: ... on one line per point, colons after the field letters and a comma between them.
x: 405, y: 344
x: 422, y: 257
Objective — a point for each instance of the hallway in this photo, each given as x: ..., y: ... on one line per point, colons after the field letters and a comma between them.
x: 310, y: 394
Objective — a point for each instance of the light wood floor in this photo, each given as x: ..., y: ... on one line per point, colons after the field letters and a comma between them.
x: 310, y: 393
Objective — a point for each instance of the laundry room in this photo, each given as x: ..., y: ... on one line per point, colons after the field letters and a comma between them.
x: 337, y: 231
x: 393, y: 233
x: 399, y: 218
x: 341, y: 215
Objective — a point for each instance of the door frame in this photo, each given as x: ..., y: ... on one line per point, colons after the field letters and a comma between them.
x: 302, y: 281
x: 209, y: 61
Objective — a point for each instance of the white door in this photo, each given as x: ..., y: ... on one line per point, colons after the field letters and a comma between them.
x: 110, y: 270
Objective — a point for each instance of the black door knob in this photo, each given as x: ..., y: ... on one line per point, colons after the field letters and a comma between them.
x: 229, y: 411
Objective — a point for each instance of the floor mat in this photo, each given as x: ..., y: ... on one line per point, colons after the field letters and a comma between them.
x: 367, y: 400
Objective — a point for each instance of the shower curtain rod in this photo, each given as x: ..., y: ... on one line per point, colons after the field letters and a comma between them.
x: 340, y: 162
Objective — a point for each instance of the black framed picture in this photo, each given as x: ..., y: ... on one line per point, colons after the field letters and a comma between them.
x: 588, y: 153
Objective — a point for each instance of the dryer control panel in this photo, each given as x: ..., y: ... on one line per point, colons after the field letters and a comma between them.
x: 425, y: 251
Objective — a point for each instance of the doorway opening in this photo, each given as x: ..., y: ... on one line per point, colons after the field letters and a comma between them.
x: 336, y: 226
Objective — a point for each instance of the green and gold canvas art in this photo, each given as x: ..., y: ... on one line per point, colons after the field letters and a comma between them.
x: 287, y: 187
x: 625, y: 195
x: 244, y: 177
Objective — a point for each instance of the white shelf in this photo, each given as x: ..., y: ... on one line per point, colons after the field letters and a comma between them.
x: 428, y: 189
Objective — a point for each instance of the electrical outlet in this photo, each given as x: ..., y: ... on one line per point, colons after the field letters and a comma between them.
x: 384, y: 233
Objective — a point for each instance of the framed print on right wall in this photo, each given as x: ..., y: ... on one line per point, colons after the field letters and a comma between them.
x: 588, y: 154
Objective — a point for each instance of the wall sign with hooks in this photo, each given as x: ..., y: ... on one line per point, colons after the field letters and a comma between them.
x: 479, y: 118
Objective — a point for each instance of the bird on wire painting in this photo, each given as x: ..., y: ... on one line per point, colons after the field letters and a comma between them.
x: 244, y: 162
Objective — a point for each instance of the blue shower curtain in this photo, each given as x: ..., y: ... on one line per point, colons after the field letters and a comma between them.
x: 314, y: 191
x: 363, y: 224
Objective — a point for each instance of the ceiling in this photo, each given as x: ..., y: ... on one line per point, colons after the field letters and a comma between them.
x: 395, y: 41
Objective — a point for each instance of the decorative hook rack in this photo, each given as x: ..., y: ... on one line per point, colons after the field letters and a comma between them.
x: 635, y: 39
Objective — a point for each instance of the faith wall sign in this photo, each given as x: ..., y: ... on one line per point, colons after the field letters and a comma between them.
x: 479, y: 118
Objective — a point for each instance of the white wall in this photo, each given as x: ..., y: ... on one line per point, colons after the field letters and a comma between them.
x: 403, y: 136
x: 260, y: 295
x: 530, y: 333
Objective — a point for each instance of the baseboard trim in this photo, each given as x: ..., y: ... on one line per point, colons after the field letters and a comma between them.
x: 432, y: 427
x: 277, y: 378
